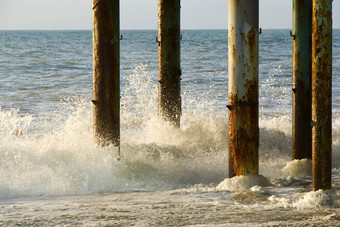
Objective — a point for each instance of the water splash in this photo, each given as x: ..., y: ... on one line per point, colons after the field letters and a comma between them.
x: 11, y: 121
x: 318, y: 199
x: 298, y: 167
x: 243, y: 182
x: 58, y: 154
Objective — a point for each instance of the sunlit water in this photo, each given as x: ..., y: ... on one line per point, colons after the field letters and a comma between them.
x: 53, y: 173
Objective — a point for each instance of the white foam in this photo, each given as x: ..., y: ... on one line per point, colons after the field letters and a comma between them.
x: 281, y: 201
x: 243, y: 182
x: 11, y: 121
x: 59, y: 154
x: 66, y: 160
x: 298, y: 167
x: 317, y: 199
x: 279, y: 124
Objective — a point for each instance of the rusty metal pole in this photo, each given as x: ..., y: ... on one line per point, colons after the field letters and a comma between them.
x: 322, y: 94
x: 243, y: 29
x: 302, y: 72
x: 106, y: 85
x: 169, y: 93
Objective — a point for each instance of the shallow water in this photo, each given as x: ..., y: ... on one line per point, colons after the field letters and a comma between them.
x: 55, y: 174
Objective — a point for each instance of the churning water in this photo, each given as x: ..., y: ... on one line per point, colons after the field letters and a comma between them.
x: 53, y: 173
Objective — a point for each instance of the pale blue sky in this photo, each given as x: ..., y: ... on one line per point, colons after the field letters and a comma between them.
x: 138, y: 14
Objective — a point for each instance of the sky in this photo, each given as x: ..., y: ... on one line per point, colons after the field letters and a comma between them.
x: 138, y: 14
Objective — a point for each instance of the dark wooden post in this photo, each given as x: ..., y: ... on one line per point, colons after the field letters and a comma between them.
x: 106, y: 87
x: 169, y: 95
x: 322, y: 94
x: 302, y: 73
x: 243, y: 105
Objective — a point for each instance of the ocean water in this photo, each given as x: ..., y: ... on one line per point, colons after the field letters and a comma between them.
x: 53, y: 173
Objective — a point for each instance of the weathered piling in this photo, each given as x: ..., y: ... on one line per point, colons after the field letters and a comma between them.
x: 106, y: 87
x: 302, y: 73
x: 169, y: 94
x: 322, y: 94
x: 243, y: 17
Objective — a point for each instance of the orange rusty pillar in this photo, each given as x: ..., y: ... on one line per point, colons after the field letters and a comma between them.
x: 302, y: 73
x: 243, y: 105
x: 322, y: 94
x: 169, y: 89
x: 106, y: 85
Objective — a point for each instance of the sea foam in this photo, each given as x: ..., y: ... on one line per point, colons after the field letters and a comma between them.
x: 243, y: 182
x: 298, y: 167
x: 317, y: 199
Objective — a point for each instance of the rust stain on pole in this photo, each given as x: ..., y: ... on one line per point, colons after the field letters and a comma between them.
x: 243, y: 17
x: 302, y: 71
x: 322, y: 94
x: 106, y: 87
x: 169, y: 97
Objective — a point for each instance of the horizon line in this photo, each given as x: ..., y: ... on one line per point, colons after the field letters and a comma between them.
x: 129, y: 29
x: 133, y: 29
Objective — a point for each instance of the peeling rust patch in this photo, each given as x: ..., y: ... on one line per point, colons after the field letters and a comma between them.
x: 252, y: 37
x: 243, y: 136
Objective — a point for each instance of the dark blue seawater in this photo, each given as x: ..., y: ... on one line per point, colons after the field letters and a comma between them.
x: 40, y: 67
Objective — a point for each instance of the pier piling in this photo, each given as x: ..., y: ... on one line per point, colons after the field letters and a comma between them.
x: 243, y: 30
x: 106, y: 81
x: 169, y: 93
x: 302, y: 71
x: 322, y: 94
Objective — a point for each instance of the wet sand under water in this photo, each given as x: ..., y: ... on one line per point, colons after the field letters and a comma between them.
x: 169, y: 208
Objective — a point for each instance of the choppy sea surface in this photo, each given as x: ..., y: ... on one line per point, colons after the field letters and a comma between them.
x: 53, y: 173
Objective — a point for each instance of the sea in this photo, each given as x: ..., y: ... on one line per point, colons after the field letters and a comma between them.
x: 53, y: 173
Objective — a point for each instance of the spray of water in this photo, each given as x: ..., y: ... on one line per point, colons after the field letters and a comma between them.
x: 59, y: 156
